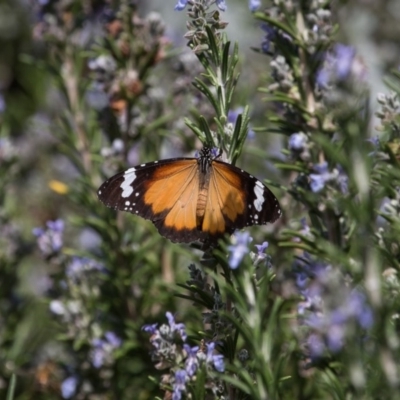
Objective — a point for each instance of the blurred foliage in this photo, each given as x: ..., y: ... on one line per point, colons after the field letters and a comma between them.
x: 89, y: 88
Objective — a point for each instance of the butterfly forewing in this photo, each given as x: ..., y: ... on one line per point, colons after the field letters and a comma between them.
x: 127, y: 190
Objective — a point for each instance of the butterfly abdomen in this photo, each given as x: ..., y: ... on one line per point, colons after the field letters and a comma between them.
x: 204, y: 182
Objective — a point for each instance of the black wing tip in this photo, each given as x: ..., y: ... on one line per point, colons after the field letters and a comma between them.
x: 277, y: 213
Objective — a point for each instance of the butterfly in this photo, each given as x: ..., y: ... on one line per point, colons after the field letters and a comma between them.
x: 190, y: 199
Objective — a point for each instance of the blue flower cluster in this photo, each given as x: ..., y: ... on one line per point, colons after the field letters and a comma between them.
x: 182, y: 4
x: 102, y: 354
x: 239, y: 248
x: 50, y: 239
x: 338, y: 65
x: 329, y: 322
x: 170, y: 349
x: 104, y: 348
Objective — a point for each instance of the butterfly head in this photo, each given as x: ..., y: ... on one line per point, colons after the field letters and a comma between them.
x: 206, y: 155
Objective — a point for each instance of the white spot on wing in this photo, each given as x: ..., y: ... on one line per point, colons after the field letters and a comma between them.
x: 259, y: 192
x: 127, y: 203
x: 126, y: 185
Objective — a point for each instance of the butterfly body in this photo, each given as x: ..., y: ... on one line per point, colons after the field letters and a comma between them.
x: 191, y: 199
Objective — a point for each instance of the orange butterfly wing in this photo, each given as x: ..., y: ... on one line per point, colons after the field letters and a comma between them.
x: 167, y: 192
x: 164, y: 192
x: 173, y: 192
x: 235, y: 200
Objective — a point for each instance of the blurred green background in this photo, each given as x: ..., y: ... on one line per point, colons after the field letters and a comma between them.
x: 40, y: 182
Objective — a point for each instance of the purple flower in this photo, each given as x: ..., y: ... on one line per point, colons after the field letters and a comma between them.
x: 335, y: 329
x: 254, y: 5
x: 344, y: 59
x: 309, y: 277
x: 192, y: 362
x: 98, y: 354
x: 103, y: 349
x: 50, y: 240
x: 150, y: 328
x: 221, y: 5
x: 318, y: 180
x: 261, y: 248
x: 215, y: 152
x: 312, y: 297
x: 233, y: 116
x: 323, y: 77
x: 179, y: 385
x: 261, y: 255
x: 167, y: 339
x: 68, y: 387
x: 270, y: 36
x: 181, y: 4
x: 331, y: 326
x: 316, y: 345
x: 329, y: 331
x: 57, y: 225
x: 357, y: 307
x: 338, y: 65
x: 313, y: 268
x: 80, y: 265
x: 217, y: 360
x: 113, y: 339
x: 323, y: 176
x: 328, y: 323
x: 239, y: 249
x: 180, y: 328
x: 298, y: 141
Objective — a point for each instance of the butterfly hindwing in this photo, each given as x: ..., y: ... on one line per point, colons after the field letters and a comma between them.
x: 243, y: 199
x: 225, y: 203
